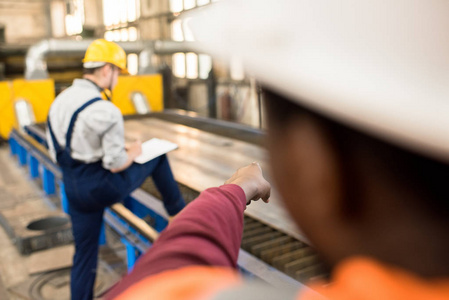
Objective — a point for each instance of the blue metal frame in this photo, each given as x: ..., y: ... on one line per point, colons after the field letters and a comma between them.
x: 139, y: 242
x: 143, y: 212
x: 22, y: 152
x: 38, y: 136
x: 131, y: 255
x: 48, y: 182
x: 33, y: 166
x: 135, y: 243
x: 13, y: 146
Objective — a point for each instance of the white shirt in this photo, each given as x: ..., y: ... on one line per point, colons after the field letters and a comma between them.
x: 98, y: 133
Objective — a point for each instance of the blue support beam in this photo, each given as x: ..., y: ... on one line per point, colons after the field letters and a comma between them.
x: 13, y: 146
x: 131, y: 254
x: 33, y: 166
x: 48, y: 181
x: 22, y: 155
x: 158, y: 222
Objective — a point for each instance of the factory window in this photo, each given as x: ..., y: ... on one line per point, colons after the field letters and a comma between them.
x: 120, y: 12
x: 133, y: 10
x: 191, y: 65
x: 177, y: 6
x: 132, y: 63
x: 117, y: 35
x: 132, y: 34
x: 122, y: 35
x: 176, y: 31
x: 110, y: 13
x: 202, y: 2
x: 179, y: 65
x: 74, y: 18
x: 205, y: 65
x: 117, y: 16
x: 57, y: 15
x: 188, y: 4
x: 109, y: 36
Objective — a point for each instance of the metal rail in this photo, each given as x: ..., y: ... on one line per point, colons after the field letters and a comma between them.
x: 135, y: 233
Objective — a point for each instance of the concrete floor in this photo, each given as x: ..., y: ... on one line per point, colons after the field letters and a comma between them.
x: 20, y: 275
x: 13, y: 189
x: 12, y: 267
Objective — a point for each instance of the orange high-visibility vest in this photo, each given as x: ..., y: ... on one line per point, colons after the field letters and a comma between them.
x: 354, y: 279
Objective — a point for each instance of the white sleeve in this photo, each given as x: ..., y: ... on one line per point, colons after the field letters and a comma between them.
x: 113, y: 144
x: 108, y: 122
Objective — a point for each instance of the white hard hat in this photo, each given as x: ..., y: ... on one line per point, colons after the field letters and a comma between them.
x: 379, y: 66
x: 93, y: 64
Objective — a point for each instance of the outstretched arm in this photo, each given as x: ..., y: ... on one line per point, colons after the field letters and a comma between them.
x: 207, y: 232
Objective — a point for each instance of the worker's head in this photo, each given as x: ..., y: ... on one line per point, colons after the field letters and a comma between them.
x: 352, y: 193
x: 357, y: 103
x: 103, y: 62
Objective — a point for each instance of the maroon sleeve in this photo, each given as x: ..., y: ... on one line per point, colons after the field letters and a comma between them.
x: 207, y: 232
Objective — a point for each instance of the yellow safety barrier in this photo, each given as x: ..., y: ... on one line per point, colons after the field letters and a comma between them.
x: 148, y: 85
x: 38, y: 93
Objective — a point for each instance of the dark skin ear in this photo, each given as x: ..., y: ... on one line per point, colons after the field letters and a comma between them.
x: 307, y: 174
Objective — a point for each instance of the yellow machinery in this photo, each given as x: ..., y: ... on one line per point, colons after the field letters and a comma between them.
x: 39, y: 94
x: 150, y: 86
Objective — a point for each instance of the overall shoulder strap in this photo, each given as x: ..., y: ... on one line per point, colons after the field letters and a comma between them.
x: 52, y: 135
x: 73, y: 120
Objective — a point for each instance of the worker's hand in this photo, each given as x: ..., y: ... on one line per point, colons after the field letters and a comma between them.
x: 134, y: 149
x: 251, y: 180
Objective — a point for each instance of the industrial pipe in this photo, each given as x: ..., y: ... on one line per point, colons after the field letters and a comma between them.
x: 36, y: 64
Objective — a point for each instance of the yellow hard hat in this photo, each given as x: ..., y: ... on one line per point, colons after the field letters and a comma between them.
x: 102, y: 51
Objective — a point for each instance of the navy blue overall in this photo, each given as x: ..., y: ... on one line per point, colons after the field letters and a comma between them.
x: 90, y: 189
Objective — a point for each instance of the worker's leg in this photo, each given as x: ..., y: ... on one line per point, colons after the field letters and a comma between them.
x: 167, y: 186
x: 86, y: 227
x: 159, y: 169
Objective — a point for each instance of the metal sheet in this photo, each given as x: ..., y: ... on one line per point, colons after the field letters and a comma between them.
x: 206, y: 160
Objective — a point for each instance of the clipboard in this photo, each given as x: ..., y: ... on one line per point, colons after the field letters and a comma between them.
x: 153, y: 148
